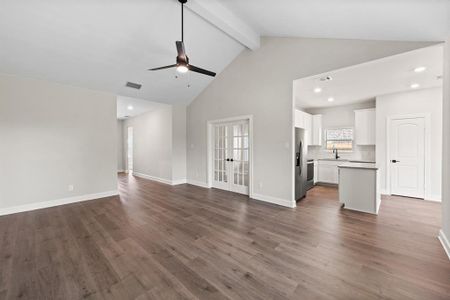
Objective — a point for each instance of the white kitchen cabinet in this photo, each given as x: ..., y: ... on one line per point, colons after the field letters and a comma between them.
x: 365, y: 126
x: 316, y: 130
x: 300, y: 119
x: 308, y: 128
x: 304, y: 120
x: 316, y: 171
x: 328, y: 171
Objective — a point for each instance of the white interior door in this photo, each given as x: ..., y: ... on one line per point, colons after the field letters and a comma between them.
x: 231, y: 157
x: 407, y: 157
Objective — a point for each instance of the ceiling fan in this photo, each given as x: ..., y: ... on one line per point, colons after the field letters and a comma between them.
x: 182, y: 60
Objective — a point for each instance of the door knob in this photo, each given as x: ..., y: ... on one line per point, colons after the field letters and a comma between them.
x: 394, y: 161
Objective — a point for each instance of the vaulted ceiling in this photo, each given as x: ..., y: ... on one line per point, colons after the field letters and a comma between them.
x: 102, y: 44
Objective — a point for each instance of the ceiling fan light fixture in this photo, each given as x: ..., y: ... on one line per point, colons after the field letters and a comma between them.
x: 182, y: 69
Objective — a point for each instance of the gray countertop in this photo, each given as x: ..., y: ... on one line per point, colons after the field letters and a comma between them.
x: 346, y: 160
x: 353, y: 165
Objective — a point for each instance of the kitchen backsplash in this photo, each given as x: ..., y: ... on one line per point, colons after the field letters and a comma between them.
x: 364, y: 153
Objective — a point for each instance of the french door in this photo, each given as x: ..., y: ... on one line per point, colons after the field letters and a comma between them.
x: 407, y: 157
x: 231, y: 157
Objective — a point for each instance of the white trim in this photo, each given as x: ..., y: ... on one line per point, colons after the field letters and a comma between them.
x: 57, y: 202
x: 209, y: 148
x: 198, y: 183
x: 159, y: 179
x: 121, y: 171
x: 179, y: 181
x: 385, y: 192
x: 433, y: 198
x: 427, y: 150
x: 444, y: 241
x: 274, y: 200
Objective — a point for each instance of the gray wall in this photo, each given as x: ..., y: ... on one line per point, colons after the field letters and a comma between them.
x: 120, y: 147
x: 179, y: 143
x: 159, y: 143
x: 341, y: 116
x: 53, y: 136
x: 152, y: 142
x: 421, y: 101
x: 446, y: 145
x: 259, y: 83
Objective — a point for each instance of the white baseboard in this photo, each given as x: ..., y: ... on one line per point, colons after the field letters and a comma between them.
x: 264, y: 198
x: 445, y: 242
x: 159, y: 179
x: 435, y: 198
x: 57, y: 202
x: 274, y: 200
x: 198, y: 183
x: 179, y: 181
x: 384, y: 192
x: 121, y: 171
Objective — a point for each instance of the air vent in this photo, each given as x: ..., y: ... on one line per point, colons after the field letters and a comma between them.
x: 326, y: 78
x: 134, y: 85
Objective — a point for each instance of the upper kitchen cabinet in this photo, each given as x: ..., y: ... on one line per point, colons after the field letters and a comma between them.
x: 305, y: 121
x: 316, y: 130
x: 365, y: 126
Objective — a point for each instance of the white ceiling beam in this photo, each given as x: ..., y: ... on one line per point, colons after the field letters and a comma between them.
x: 224, y: 19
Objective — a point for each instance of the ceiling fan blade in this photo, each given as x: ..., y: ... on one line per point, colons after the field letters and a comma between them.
x: 201, y: 71
x: 180, y: 49
x: 162, y: 68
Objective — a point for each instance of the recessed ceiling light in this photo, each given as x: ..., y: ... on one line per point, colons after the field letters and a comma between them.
x: 130, y: 107
x: 419, y: 69
x: 331, y: 99
x: 414, y: 85
x: 317, y: 90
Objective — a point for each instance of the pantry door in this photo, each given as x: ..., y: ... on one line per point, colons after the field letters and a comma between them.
x: 407, y: 157
x: 231, y: 157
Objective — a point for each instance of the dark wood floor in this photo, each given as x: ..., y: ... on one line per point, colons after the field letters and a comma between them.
x: 161, y: 242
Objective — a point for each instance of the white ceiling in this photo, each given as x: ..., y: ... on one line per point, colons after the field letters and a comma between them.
x: 365, y: 81
x: 101, y: 44
x: 403, y: 20
x: 138, y: 106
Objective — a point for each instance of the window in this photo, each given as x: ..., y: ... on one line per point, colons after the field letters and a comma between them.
x: 340, y: 139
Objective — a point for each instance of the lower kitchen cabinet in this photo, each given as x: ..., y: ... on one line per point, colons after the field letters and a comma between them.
x: 327, y: 171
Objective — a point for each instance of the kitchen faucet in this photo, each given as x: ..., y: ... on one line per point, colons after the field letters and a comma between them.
x: 335, y: 152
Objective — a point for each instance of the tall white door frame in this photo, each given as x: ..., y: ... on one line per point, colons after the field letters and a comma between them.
x: 210, y: 148
x: 427, y: 163
x: 129, y: 156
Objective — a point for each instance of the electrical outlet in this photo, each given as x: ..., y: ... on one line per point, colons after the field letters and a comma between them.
x: 70, y: 188
x: 260, y: 185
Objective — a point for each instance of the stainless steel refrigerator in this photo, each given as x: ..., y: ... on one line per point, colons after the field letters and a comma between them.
x: 300, y: 163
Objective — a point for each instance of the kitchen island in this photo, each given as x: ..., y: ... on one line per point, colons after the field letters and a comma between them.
x: 359, y: 187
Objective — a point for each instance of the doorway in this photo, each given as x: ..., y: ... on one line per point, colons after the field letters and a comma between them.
x: 130, y: 150
x: 230, y: 155
x: 407, y: 159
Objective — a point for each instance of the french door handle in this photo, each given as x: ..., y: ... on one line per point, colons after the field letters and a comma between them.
x: 229, y: 159
x: 395, y: 161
